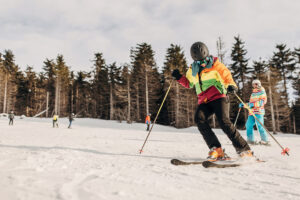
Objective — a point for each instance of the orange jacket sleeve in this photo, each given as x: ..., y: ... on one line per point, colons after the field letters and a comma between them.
x: 225, y: 74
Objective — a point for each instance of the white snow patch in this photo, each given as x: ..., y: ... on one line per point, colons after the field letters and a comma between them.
x: 99, y: 159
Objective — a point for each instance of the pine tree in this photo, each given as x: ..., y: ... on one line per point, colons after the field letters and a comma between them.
x: 22, y: 93
x: 241, y: 74
x: 2, y: 82
x: 177, y: 107
x: 100, y: 87
x: 145, y: 81
x: 259, y: 69
x: 31, y: 91
x: 41, y: 99
x: 82, y: 98
x: 49, y: 74
x: 296, y: 55
x: 296, y: 85
x: 296, y: 72
x: 71, y: 93
x: 124, y: 95
x: 296, y: 109
x: 269, y: 81
x: 114, y: 80
x: 10, y: 88
x: 62, y: 83
x: 283, y: 61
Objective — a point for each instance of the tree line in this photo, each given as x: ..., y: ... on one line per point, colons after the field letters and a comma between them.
x: 129, y: 91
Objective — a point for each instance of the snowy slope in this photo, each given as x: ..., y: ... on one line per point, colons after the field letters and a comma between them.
x: 99, y: 159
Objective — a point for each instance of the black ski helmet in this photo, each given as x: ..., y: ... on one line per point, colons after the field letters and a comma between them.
x: 199, y: 51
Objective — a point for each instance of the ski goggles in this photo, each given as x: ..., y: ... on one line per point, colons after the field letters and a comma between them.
x: 204, y: 62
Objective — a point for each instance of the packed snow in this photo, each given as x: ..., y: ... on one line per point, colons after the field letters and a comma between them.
x: 99, y: 159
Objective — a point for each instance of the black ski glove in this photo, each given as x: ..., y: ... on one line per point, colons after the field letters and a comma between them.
x: 176, y: 74
x: 231, y: 89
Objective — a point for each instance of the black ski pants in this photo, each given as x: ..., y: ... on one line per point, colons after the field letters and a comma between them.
x: 220, y: 108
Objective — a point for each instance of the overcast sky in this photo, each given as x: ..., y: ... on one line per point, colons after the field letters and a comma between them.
x: 38, y: 29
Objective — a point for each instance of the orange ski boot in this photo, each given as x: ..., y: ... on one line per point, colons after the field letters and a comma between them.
x: 216, y: 154
x: 245, y: 154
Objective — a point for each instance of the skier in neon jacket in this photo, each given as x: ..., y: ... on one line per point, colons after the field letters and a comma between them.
x: 148, y: 121
x: 212, y: 80
x: 55, y: 121
x: 257, y: 101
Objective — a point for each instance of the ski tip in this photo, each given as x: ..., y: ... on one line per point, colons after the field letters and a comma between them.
x: 175, y: 161
x: 207, y: 164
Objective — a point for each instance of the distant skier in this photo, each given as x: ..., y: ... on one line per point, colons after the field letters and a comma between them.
x: 257, y: 101
x: 71, y: 118
x: 212, y: 81
x: 148, y: 121
x: 55, y: 121
x: 11, y: 117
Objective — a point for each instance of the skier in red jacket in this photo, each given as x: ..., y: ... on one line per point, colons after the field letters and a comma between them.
x: 212, y: 81
x: 148, y: 121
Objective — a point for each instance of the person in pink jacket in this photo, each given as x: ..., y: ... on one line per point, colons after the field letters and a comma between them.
x: 257, y: 101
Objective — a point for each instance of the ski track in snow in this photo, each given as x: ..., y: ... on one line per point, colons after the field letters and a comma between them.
x: 99, y: 159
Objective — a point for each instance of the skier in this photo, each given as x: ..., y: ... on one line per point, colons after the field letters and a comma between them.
x: 11, y: 117
x: 257, y: 101
x: 212, y: 81
x: 148, y: 121
x: 55, y: 121
x: 71, y: 118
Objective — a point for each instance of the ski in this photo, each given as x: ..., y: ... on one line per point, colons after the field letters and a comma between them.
x: 212, y: 164
x: 180, y: 162
x: 209, y: 164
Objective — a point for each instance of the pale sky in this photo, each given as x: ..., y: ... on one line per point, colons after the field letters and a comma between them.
x: 38, y: 29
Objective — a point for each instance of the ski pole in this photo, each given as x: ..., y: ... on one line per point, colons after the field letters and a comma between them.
x: 156, y: 116
x: 284, y: 150
x: 237, y: 116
